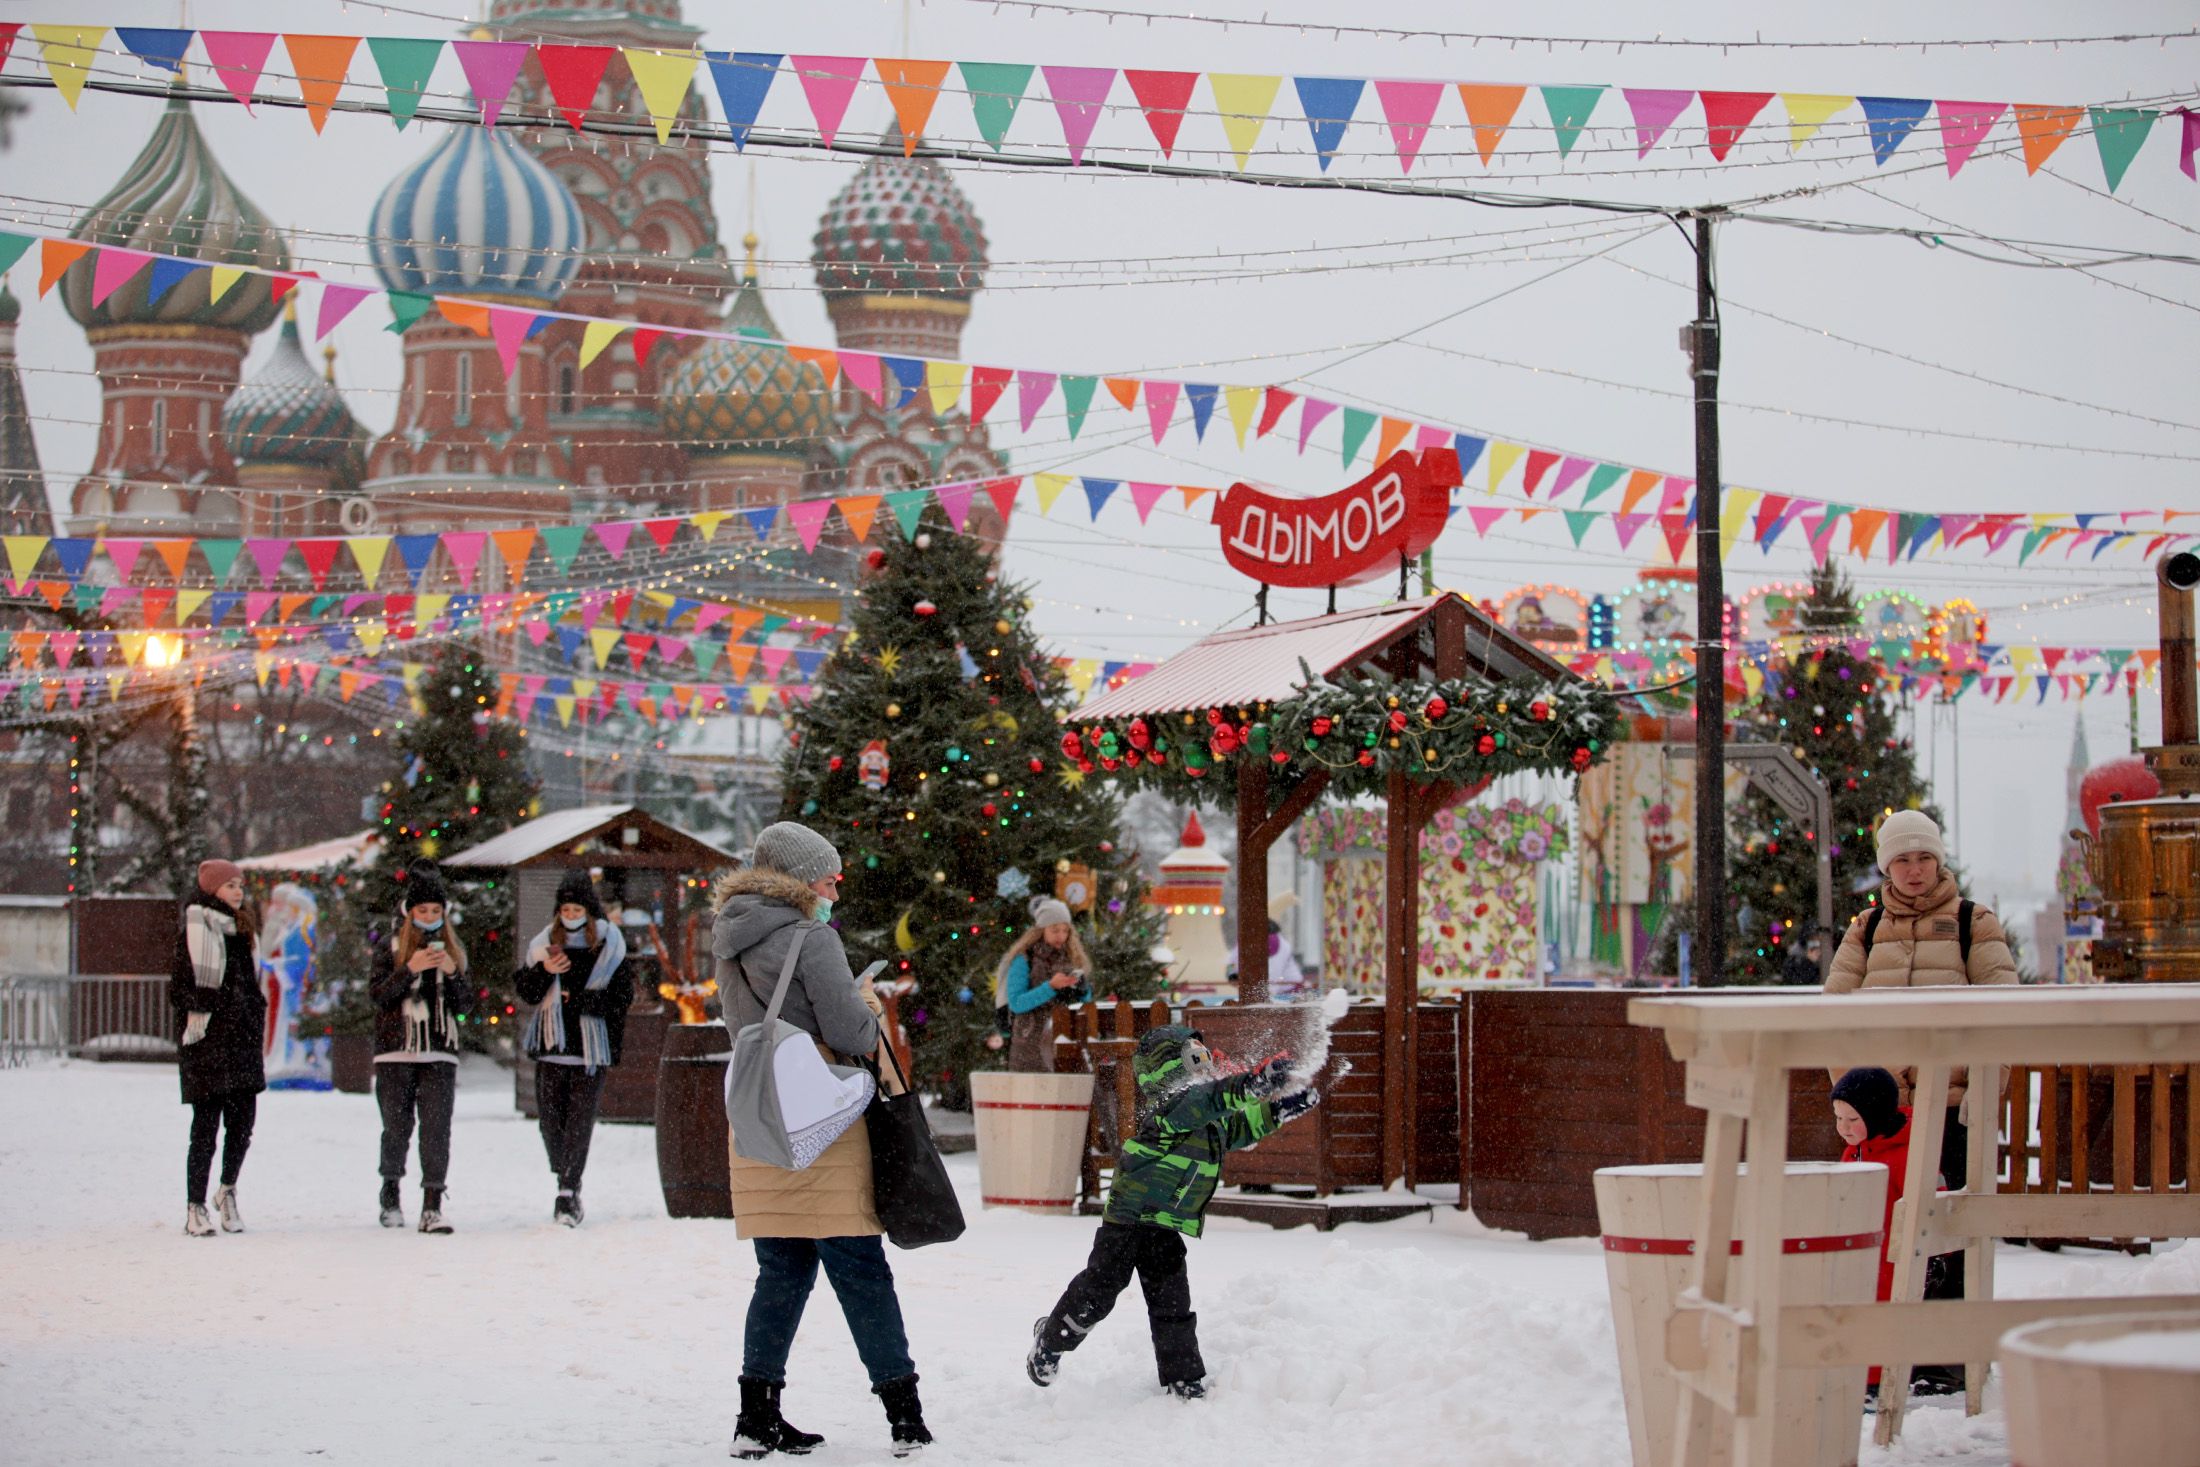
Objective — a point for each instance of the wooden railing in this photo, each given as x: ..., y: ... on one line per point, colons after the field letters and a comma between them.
x: 2101, y: 1128
x: 1101, y: 1038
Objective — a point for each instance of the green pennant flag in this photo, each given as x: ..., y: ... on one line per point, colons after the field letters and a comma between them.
x: 1579, y: 521
x: 1077, y: 400
x: 563, y: 542
x: 558, y: 604
x: 12, y: 247
x: 662, y: 692
x: 1570, y: 108
x: 2031, y: 543
x: 88, y: 597
x: 908, y: 507
x: 1357, y: 425
x: 220, y: 556
x: 406, y: 63
x: 2118, y: 132
x: 407, y: 307
x: 996, y: 89
x: 772, y: 622
x: 1601, y: 478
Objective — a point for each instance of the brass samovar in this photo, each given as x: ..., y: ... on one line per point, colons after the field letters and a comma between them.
x: 2146, y: 862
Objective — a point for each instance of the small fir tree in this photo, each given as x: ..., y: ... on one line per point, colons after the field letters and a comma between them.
x: 930, y: 756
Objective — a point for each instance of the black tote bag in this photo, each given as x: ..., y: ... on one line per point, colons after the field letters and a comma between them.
x: 916, y: 1203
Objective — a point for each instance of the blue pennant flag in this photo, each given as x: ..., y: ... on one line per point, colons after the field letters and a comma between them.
x: 166, y: 272
x: 72, y: 556
x: 414, y: 551
x: 908, y: 375
x: 1469, y: 448
x: 1097, y: 492
x: 1201, y: 395
x: 761, y: 520
x: 155, y: 45
x: 1892, y: 119
x: 743, y: 77
x: 1328, y: 102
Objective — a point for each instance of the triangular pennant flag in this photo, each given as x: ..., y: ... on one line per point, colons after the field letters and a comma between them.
x: 337, y: 302
x: 167, y: 272
x: 866, y: 372
x: 1358, y: 423
x: 1003, y: 494
x: 1328, y: 103
x: 175, y: 554
x: 1077, y: 400
x: 574, y: 74
x: 405, y: 65
x: 55, y: 256
x: 1809, y: 111
x: 1241, y: 401
x: 944, y: 382
x: 1540, y: 462
x: 595, y: 337
x: 23, y: 552
x: 1393, y: 434
x: 743, y: 79
x: 1244, y: 102
x: 1408, y: 107
x: 1201, y: 395
x: 510, y: 330
x: 661, y: 532
x: 1490, y: 110
x: 413, y: 552
x: 69, y: 51
x: 113, y: 268
x: 563, y: 542
x: 1078, y: 93
x: 1483, y: 516
x: 1272, y: 404
x: 2118, y: 132
x: 1049, y: 487
x: 1570, y: 109
x: 913, y: 90
x: 368, y: 553
x: 320, y: 557
x: 1144, y: 496
x: 1578, y: 522
x: 1163, y: 96
x: 472, y: 315
x: 907, y: 375
x: 161, y: 47
x: 1124, y: 390
x: 828, y: 82
x: 2190, y: 142
x: 614, y: 534
x: 858, y: 511
x: 1639, y: 484
x: 808, y: 518
x: 1097, y: 492
x: 663, y: 78
x: 1502, y: 457
x: 268, y: 556
x: 762, y: 519
x: 1654, y: 110
x: 320, y: 64
x: 1963, y: 126
x: 822, y: 358
x: 407, y: 307
x: 907, y: 507
x: 1600, y: 481
x: 1569, y: 473
x: 996, y: 90
x: 1468, y: 450
x: 2043, y: 129
x: 1891, y: 120
x: 491, y: 67
x: 955, y: 499
x: 12, y: 248
x: 1032, y: 390
x: 1161, y: 406
x: 1312, y: 411
x: 1726, y: 114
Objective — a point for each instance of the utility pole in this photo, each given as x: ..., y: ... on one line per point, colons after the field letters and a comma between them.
x: 1709, y: 954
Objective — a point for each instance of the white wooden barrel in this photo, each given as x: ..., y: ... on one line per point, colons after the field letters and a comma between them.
x: 1031, y: 1138
x: 2106, y: 1388
x: 1835, y: 1218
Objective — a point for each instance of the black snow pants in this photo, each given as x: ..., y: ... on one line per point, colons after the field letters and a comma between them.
x: 430, y: 1091
x: 566, y: 1097
x: 1156, y: 1255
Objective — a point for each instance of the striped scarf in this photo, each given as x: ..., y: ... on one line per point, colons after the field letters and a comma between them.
x: 546, y: 1025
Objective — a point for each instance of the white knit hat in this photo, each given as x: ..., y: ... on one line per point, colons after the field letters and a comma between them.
x: 1049, y: 912
x: 797, y: 851
x: 1909, y: 830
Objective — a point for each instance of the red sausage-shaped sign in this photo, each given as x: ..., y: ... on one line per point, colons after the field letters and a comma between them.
x: 1353, y: 535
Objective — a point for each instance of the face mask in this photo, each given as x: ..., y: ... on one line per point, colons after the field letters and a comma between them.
x: 573, y: 924
x: 824, y: 909
x: 435, y: 926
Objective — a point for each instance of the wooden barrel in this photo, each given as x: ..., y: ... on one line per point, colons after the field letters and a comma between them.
x: 2120, y: 1388
x: 351, y: 1062
x: 1031, y: 1138
x: 1835, y: 1218
x: 691, y: 1121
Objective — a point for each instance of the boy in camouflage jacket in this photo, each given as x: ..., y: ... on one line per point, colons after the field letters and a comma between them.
x: 1164, y: 1179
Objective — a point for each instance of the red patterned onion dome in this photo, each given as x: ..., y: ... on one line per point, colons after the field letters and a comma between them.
x: 900, y: 227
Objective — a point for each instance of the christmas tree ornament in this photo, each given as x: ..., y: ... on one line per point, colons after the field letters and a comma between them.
x: 834, y: 763
x: 926, y: 607
x: 1012, y: 885
x: 992, y: 780
x: 924, y: 540
x: 874, y: 559
x: 1003, y: 627
x: 938, y: 877
x: 893, y: 710
x: 1436, y: 709
x: 873, y: 767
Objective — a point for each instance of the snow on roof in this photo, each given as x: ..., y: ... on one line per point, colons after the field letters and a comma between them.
x: 345, y: 850
x: 561, y: 828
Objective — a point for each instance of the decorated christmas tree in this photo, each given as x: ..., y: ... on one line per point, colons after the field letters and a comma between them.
x: 930, y: 755
x: 1835, y: 711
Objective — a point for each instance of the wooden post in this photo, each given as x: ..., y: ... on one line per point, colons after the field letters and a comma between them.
x: 1904, y: 1249
x: 1401, y: 967
x: 1252, y: 879
x: 2158, y: 1139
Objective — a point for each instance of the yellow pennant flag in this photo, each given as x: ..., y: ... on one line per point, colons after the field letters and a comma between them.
x: 115, y: 680
x: 597, y: 336
x: 23, y: 553
x: 133, y: 646
x: 263, y: 663
x: 944, y: 380
x: 564, y: 702
x: 1049, y: 487
x: 411, y: 673
x: 1243, y: 102
x: 1809, y: 111
x: 1082, y: 673
x: 219, y: 282
x: 584, y: 687
x: 370, y: 635
x: 759, y: 699
x: 1502, y: 458
x: 369, y: 551
x: 1241, y: 402
x: 427, y: 608
x: 1733, y: 509
x: 188, y: 602
x: 708, y: 522
x: 663, y: 78
x: 602, y: 641
x: 69, y: 51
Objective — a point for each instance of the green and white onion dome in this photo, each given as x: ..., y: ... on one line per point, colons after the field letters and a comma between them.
x: 901, y: 226
x: 287, y: 413
x: 477, y: 216
x: 747, y: 395
x: 176, y: 200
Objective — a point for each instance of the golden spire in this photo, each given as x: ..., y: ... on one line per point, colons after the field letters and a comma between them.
x: 748, y: 251
x: 328, y: 363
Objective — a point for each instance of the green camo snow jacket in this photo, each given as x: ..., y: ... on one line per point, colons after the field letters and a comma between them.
x: 1167, y: 1174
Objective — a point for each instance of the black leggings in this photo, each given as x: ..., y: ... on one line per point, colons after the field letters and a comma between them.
x: 565, y: 1104
x: 234, y: 1113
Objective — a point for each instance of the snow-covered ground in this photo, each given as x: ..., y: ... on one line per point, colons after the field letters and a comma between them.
x: 318, y: 1336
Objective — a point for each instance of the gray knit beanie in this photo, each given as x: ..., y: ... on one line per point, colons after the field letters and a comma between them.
x: 1049, y: 912
x: 797, y: 851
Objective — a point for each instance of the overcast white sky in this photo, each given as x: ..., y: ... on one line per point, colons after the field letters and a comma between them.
x: 2119, y: 338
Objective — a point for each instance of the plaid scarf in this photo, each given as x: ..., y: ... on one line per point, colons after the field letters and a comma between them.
x: 206, y: 934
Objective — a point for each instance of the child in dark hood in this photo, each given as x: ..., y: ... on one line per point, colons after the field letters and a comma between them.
x: 1189, y: 1117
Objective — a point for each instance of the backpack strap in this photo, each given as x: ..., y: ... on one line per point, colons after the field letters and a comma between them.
x: 1963, y: 933
x: 1871, y: 927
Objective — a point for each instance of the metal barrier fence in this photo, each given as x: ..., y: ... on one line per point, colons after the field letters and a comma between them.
x: 75, y: 1015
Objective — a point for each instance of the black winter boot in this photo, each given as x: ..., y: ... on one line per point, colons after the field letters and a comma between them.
x: 761, y: 1430
x: 393, y: 1206
x: 905, y: 1414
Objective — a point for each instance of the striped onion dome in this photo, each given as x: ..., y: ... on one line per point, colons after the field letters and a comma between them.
x: 286, y: 412
x: 175, y: 199
x: 747, y: 395
x: 477, y: 216
x: 900, y: 226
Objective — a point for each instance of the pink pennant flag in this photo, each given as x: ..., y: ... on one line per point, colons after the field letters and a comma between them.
x: 1484, y: 516
x: 809, y: 519
x: 114, y: 599
x: 1032, y: 391
x: 828, y: 82
x: 1078, y: 93
x: 1626, y: 526
x: 1675, y: 494
x: 491, y: 68
x: 1569, y: 474
x: 238, y: 57
x: 267, y: 556
x: 774, y: 659
x: 1311, y: 412
x: 2191, y: 143
x: 257, y: 604
x: 863, y: 369
x: 955, y: 499
x: 1145, y: 496
x: 112, y: 269
x: 1408, y: 106
x: 1161, y: 406
x: 1654, y: 111
x: 591, y: 609
x: 709, y: 616
x: 464, y: 548
x: 1963, y: 126
x: 1426, y: 438
x: 538, y: 632
x: 615, y: 534
x: 124, y: 554
x: 509, y: 330
x: 337, y: 302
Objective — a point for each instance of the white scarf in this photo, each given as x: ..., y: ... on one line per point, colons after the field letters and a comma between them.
x: 206, y: 934
x: 546, y: 1026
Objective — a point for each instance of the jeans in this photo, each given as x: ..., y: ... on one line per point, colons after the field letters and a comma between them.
x: 231, y: 1113
x: 566, y: 1097
x: 429, y: 1090
x: 1156, y: 1255
x: 786, y: 1269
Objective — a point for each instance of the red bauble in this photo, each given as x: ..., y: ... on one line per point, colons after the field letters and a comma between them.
x: 1486, y: 745
x: 1072, y: 746
x: 1132, y: 758
x: 1539, y: 710
x: 1140, y: 735
x: 874, y: 559
x: 1397, y: 720
x: 1321, y: 725
x: 1214, y: 715
x: 1436, y: 709
x: 1110, y: 765
x: 1038, y: 766
x: 989, y: 810
x: 1280, y: 756
x: 1367, y: 758
x: 1084, y: 766
x: 1582, y: 757
x: 1224, y: 742
x: 833, y: 764
x: 924, y: 608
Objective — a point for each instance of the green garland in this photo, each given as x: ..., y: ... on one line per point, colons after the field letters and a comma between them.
x: 1460, y: 731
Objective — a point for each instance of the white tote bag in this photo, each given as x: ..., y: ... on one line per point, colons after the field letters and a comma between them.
x: 783, y: 1102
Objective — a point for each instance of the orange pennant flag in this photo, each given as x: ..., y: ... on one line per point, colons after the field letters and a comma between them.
x: 1193, y: 493
x: 739, y: 657
x: 2043, y: 130
x: 1394, y: 433
x: 1639, y: 483
x: 740, y: 622
x: 825, y: 360
x: 858, y: 512
x: 55, y: 256
x: 320, y: 62
x: 1124, y: 390
x: 174, y: 554
x: 289, y: 606
x: 472, y: 316
x: 1491, y: 111
x: 53, y: 592
x: 1864, y: 528
x: 514, y: 546
x: 913, y: 87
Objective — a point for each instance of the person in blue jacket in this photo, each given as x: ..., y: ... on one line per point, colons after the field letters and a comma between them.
x: 1046, y: 966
